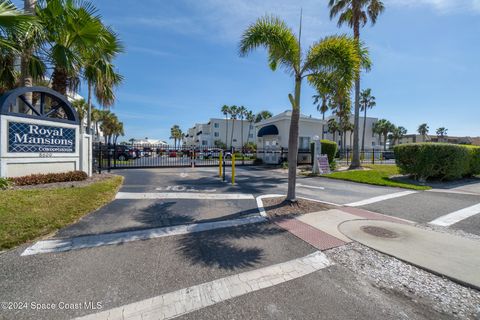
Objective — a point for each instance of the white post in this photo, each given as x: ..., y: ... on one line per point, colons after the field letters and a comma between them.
x: 316, y: 154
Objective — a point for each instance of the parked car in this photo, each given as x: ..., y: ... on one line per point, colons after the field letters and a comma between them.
x: 123, y: 153
x: 388, y: 155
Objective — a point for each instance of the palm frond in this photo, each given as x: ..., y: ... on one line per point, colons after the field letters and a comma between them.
x: 273, y: 34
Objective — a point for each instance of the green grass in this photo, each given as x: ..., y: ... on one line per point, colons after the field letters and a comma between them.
x: 378, y: 175
x: 29, y: 214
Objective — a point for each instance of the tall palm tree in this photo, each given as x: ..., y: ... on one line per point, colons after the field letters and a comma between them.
x: 174, y: 134
x: 333, y: 127
x: 72, y: 27
x: 241, y: 114
x: 335, y: 54
x: 367, y: 101
x: 397, y: 134
x: 81, y: 107
x: 99, y: 71
x: 383, y: 127
x: 262, y: 115
x: 423, y: 131
x: 226, y: 112
x: 356, y: 13
x: 233, y: 115
x: 27, y: 52
x: 250, y: 117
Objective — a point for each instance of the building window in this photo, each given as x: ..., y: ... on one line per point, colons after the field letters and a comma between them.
x: 234, y: 140
x: 204, y: 143
x: 216, y: 134
x: 251, y: 127
x: 250, y: 135
x: 373, y: 143
x: 215, y: 125
x: 304, y: 143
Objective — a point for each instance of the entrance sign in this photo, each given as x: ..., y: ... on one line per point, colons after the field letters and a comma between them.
x: 323, y: 165
x: 27, y: 137
x: 40, y: 133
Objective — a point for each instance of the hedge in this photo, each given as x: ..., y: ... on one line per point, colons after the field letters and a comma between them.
x: 440, y: 161
x: 49, y: 178
x: 328, y: 147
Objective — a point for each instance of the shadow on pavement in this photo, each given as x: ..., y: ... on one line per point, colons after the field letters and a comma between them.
x: 228, y: 248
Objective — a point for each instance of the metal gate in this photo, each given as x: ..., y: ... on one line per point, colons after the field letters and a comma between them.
x: 125, y: 156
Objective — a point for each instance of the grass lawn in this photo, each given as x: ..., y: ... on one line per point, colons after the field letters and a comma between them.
x: 378, y: 175
x: 29, y: 214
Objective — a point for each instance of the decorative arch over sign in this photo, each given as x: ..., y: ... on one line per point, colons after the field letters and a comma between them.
x: 47, y: 104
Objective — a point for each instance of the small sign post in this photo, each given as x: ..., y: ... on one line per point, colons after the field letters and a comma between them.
x: 317, y: 153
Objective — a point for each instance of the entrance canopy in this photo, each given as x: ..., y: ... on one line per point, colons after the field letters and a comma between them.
x: 268, y: 130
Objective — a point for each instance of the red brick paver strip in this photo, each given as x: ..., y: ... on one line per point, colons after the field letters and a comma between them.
x: 309, y: 234
x: 372, y: 215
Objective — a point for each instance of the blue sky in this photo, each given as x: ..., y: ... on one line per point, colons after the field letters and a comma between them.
x: 181, y: 62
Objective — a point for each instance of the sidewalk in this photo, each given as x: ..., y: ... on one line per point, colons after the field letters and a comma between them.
x: 445, y: 254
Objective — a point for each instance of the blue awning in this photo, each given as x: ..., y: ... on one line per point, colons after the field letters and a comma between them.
x: 268, y: 130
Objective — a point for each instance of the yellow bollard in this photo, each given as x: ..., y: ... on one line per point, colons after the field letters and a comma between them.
x: 233, y: 168
x: 220, y: 156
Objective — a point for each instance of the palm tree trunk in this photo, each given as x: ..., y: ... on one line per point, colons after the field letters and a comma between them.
x: 356, y: 156
x: 364, y: 125
x: 385, y: 142
x: 89, y: 111
x: 231, y: 135
x: 26, y: 78
x: 293, y: 142
x: 226, y: 132
x: 323, y: 119
x: 249, y: 130
x: 241, y: 138
x: 59, y: 80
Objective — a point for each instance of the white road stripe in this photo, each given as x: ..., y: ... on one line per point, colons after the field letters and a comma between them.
x: 310, y: 187
x: 380, y: 198
x: 182, y: 195
x: 454, y: 217
x: 60, y: 245
x: 184, y: 301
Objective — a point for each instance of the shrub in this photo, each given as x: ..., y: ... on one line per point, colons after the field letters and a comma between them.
x: 436, y: 160
x: 258, y: 161
x: 4, y: 183
x: 49, y: 178
x: 284, y: 165
x: 329, y: 148
x: 474, y: 168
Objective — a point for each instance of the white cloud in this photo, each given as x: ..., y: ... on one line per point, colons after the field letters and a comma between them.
x: 441, y: 6
x: 150, y: 51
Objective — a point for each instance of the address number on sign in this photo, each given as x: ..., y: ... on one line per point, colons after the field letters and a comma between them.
x: 45, y: 155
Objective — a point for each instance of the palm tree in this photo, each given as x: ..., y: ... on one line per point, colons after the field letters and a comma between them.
x: 226, y: 112
x: 441, y: 132
x: 355, y: 13
x: 367, y: 101
x: 233, y: 115
x: 250, y: 117
x: 131, y: 140
x: 335, y: 55
x: 423, y: 131
x: 72, y: 28
x: 383, y: 127
x: 321, y: 100
x: 241, y: 114
x: 262, y: 115
x: 81, y: 107
x: 175, y: 132
x: 397, y: 134
x: 333, y: 127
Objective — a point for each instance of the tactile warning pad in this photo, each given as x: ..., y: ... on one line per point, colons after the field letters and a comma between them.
x: 309, y: 234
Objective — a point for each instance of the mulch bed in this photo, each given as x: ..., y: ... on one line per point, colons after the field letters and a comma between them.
x: 69, y: 184
x: 278, y: 207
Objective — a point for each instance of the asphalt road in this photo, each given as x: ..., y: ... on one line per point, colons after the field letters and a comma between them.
x: 121, y: 274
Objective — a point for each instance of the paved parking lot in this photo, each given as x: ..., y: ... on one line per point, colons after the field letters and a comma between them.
x: 130, y: 272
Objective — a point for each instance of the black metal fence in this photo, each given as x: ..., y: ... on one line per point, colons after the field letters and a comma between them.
x: 277, y: 156
x: 118, y: 156
x: 344, y: 157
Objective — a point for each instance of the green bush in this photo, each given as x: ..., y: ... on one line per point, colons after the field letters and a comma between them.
x: 49, y: 178
x: 4, y: 183
x: 329, y: 148
x: 437, y: 160
x: 474, y: 160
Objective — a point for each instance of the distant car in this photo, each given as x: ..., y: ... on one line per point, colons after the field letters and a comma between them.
x: 123, y: 153
x: 388, y: 155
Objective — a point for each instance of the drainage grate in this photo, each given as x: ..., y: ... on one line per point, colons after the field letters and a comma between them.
x: 379, y: 232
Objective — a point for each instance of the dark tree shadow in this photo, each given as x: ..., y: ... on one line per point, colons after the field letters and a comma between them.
x: 223, y: 248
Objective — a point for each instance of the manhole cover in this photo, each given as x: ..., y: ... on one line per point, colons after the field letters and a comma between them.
x: 379, y: 232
